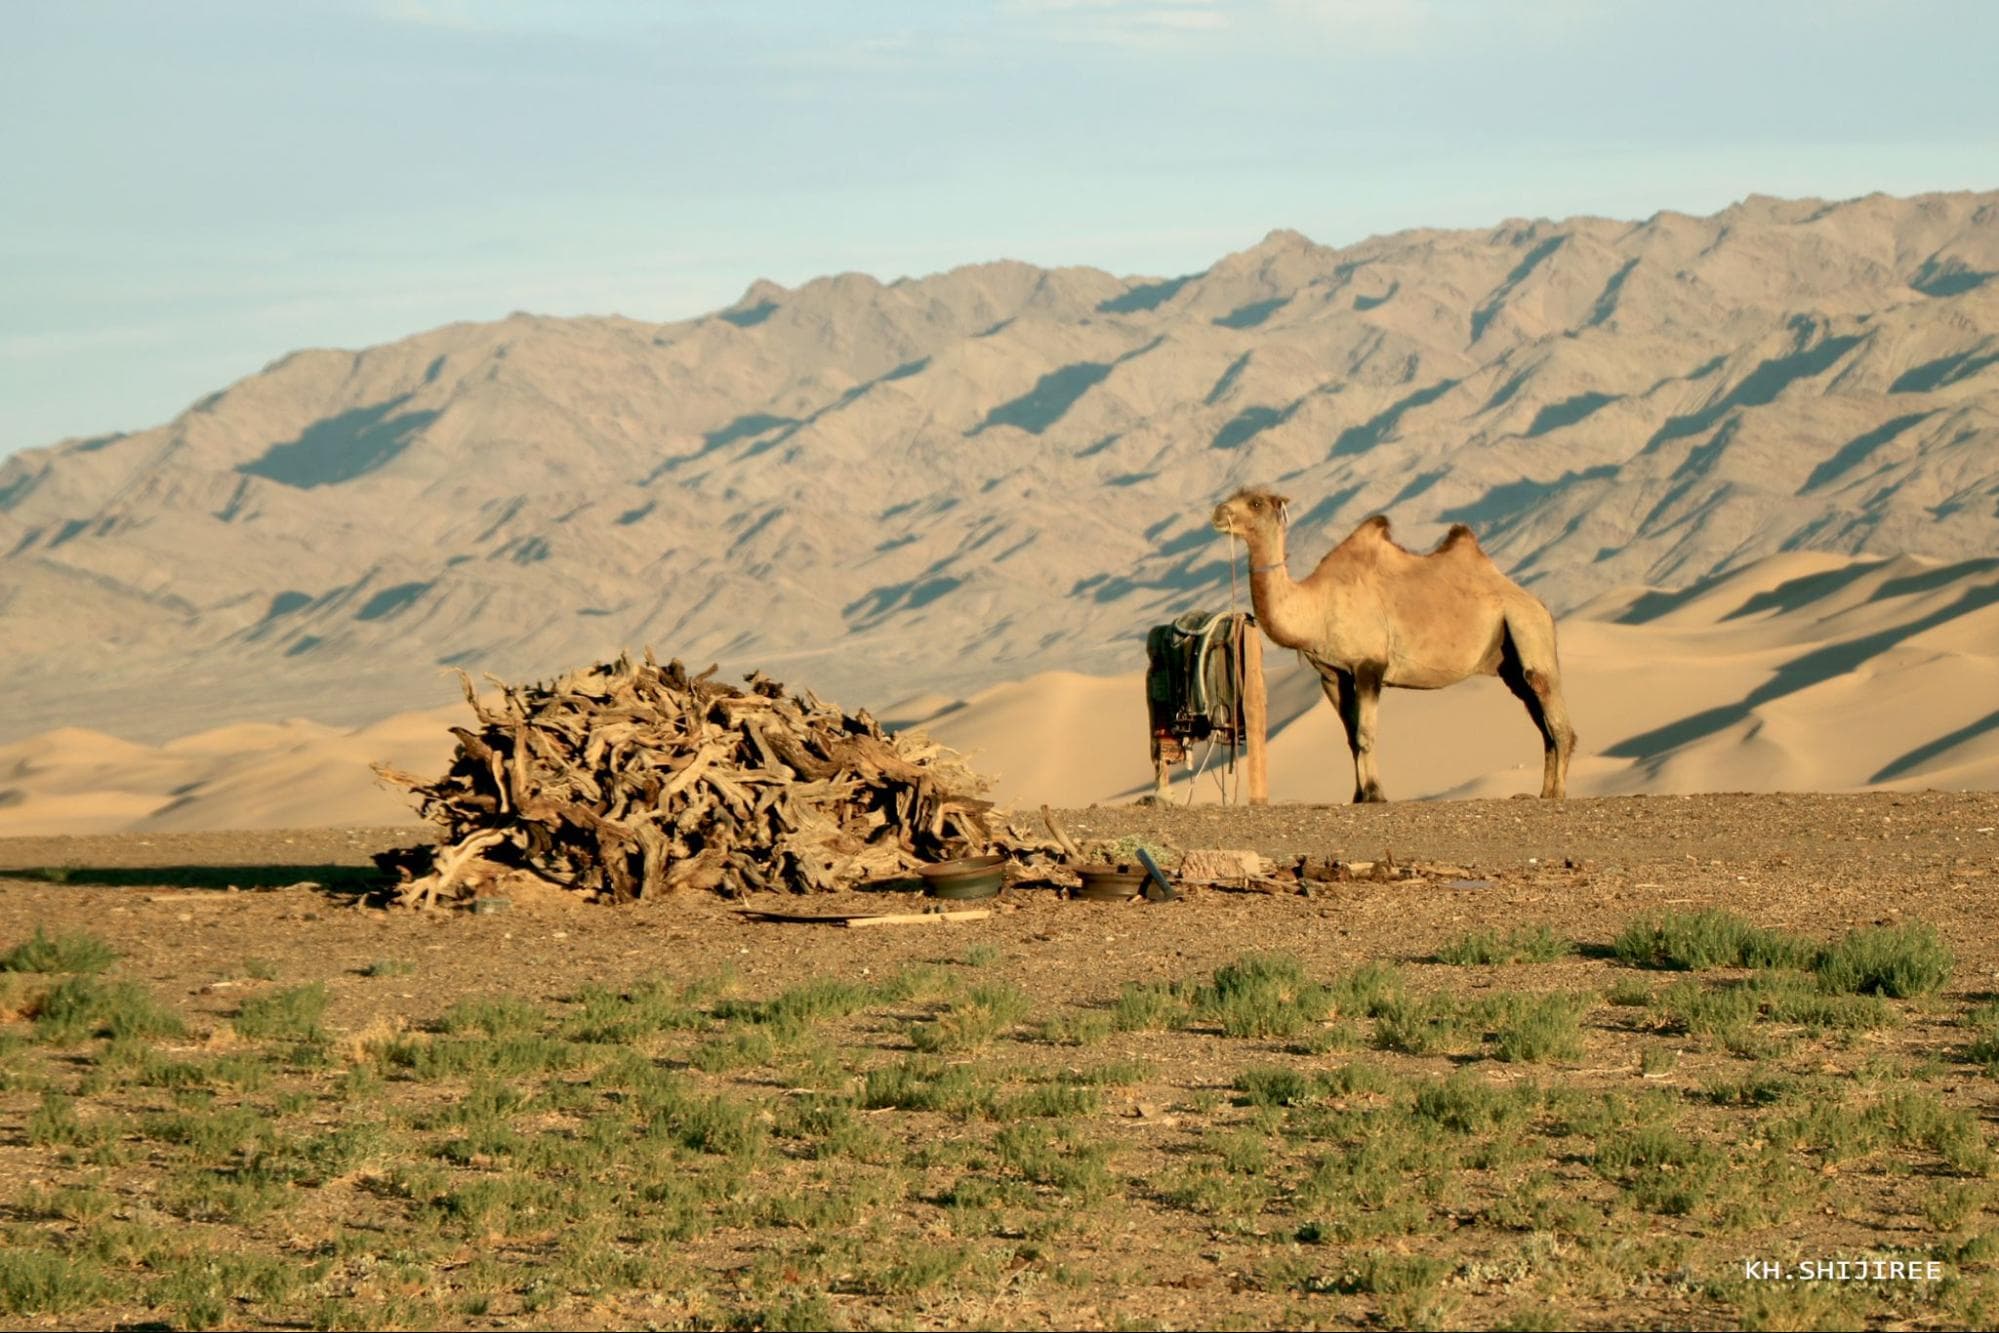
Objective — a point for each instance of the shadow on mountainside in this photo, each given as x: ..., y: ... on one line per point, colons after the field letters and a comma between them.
x: 341, y: 447
x: 1761, y: 385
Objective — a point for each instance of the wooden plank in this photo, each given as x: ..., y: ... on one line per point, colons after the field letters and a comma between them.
x: 918, y: 918
x: 1255, y: 712
x: 858, y: 919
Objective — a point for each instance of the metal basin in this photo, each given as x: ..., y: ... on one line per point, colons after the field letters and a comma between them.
x: 1108, y: 883
x: 968, y: 877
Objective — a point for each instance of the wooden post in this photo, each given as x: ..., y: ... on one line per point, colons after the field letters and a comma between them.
x: 1255, y: 712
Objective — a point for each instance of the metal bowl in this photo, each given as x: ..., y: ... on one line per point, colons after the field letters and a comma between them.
x: 1108, y: 883
x: 967, y: 877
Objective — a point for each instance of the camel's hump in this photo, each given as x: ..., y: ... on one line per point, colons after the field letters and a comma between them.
x: 1373, y: 526
x: 1459, y: 535
x: 1367, y: 540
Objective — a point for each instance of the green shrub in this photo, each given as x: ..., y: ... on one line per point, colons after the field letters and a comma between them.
x: 36, y: 1282
x: 1896, y: 961
x: 1436, y: 1025
x: 1661, y: 1169
x: 798, y: 1008
x: 1487, y: 947
x: 496, y: 1016
x: 1691, y: 941
x: 1273, y: 1085
x: 1470, y: 1105
x: 85, y: 1007
x: 927, y: 1084
x: 1367, y: 990
x: 983, y: 1014
x: 1983, y: 1048
x: 1263, y: 995
x: 614, y: 1018
x: 1148, y: 1007
x: 72, y: 951
x: 1537, y: 1027
x: 56, y: 1122
x: 291, y: 1014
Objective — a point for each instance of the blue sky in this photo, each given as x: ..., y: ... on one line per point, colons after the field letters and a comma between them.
x: 196, y: 188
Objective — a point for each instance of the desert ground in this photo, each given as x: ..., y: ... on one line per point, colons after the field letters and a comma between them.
x: 1542, y: 1085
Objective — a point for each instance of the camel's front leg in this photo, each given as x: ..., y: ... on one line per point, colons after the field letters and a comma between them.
x: 1339, y: 689
x: 1366, y: 692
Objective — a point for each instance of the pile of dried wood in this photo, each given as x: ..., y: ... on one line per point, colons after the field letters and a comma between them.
x: 630, y: 779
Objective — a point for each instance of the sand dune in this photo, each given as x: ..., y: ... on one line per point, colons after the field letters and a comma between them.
x: 1797, y: 673
x: 1800, y: 672
x: 287, y: 775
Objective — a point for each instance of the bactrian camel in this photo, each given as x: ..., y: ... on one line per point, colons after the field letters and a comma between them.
x: 1374, y: 614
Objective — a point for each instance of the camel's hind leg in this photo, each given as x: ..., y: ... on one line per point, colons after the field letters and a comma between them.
x: 1367, y: 691
x: 1538, y: 685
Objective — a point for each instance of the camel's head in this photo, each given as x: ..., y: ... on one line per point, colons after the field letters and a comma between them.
x: 1252, y: 509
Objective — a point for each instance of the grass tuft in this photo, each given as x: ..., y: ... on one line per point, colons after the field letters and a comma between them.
x: 1693, y: 941
x: 1263, y: 995
x: 84, y: 1007
x: 73, y: 951
x: 983, y: 1014
x: 1150, y: 1006
x: 1896, y: 961
x: 1482, y: 948
x: 291, y: 1014
x: 35, y: 1282
x: 1537, y: 1027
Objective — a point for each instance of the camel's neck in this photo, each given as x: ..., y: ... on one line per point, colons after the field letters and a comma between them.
x: 1274, y: 595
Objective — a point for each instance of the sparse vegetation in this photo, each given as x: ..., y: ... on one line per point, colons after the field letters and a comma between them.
x: 82, y: 1007
x: 1693, y: 941
x: 889, y: 1149
x: 292, y: 1014
x: 71, y: 951
x: 1487, y: 947
x: 1896, y: 961
x: 1262, y: 995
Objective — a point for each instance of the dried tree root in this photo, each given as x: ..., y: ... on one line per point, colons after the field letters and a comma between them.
x: 630, y: 779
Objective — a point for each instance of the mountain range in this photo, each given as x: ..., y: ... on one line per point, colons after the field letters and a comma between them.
x: 947, y: 482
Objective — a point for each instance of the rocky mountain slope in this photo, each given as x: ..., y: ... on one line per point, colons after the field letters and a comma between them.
x: 951, y: 481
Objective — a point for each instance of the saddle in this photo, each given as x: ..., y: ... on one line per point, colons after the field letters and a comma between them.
x: 1193, y: 680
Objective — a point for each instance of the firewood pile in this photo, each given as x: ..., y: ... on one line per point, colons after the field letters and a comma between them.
x: 630, y: 779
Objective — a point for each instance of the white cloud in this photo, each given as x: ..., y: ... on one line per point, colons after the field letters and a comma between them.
x: 1061, y: 6
x: 1187, y: 18
x: 26, y: 346
x: 1147, y: 24
x: 453, y: 15
x: 1410, y: 27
